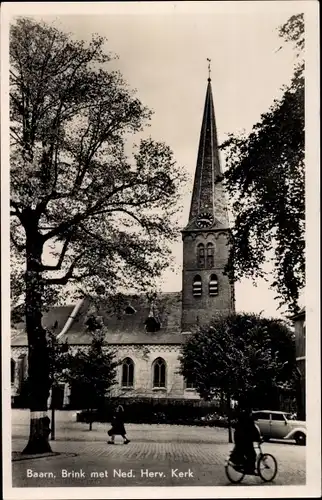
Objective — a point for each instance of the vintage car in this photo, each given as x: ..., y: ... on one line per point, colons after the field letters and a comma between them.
x: 280, y: 425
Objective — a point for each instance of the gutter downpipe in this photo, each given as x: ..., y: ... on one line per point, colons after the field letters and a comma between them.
x: 70, y: 319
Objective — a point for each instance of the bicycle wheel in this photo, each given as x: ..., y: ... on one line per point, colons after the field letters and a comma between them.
x: 267, y: 467
x: 234, y: 473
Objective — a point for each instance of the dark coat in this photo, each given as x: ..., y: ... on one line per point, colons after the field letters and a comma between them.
x: 246, y: 430
x: 117, y: 425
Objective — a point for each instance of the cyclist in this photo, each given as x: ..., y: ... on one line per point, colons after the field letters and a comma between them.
x: 246, y: 433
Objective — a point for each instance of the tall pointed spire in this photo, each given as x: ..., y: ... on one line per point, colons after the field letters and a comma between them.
x: 206, y: 288
x: 208, y: 198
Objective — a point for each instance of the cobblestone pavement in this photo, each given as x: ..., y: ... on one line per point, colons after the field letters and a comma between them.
x: 196, y: 451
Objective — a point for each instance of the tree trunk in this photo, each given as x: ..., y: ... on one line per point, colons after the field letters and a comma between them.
x: 38, y: 369
x: 52, y: 434
x: 90, y: 420
x: 230, y: 436
x: 222, y: 402
x: 300, y: 396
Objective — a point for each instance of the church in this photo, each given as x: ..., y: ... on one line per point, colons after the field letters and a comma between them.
x: 148, y: 333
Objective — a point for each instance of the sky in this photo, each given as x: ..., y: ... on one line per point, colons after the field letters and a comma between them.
x: 164, y: 56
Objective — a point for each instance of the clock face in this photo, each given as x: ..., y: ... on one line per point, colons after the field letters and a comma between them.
x: 204, y: 220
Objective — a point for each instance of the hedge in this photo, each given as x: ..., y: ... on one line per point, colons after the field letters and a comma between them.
x: 149, y: 410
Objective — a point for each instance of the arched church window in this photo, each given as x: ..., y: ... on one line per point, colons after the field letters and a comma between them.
x: 127, y: 373
x: 13, y: 370
x: 197, y: 286
x: 159, y: 373
x: 210, y: 255
x: 22, y: 368
x: 213, y: 285
x: 201, y: 255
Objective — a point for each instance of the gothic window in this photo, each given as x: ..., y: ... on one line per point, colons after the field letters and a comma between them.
x: 13, y: 369
x: 127, y: 372
x: 213, y: 285
x: 210, y: 255
x: 197, y: 286
x: 22, y: 368
x: 159, y: 373
x: 201, y: 255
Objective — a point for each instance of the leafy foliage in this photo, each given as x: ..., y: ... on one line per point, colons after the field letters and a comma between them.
x: 71, y: 181
x: 244, y: 356
x: 92, y: 371
x: 266, y: 181
x: 58, y: 356
x: 58, y: 360
x: 104, y: 218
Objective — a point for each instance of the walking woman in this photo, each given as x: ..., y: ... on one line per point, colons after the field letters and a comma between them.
x: 118, y: 426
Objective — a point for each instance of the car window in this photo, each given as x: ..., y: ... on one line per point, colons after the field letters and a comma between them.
x: 278, y: 416
x: 261, y: 416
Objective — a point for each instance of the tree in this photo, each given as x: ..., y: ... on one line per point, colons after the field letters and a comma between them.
x: 92, y: 371
x: 245, y: 357
x: 105, y: 219
x: 58, y: 358
x: 266, y: 181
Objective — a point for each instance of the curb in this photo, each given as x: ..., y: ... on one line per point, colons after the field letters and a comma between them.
x: 17, y: 456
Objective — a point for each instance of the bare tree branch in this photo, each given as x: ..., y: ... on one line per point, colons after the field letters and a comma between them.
x: 69, y: 274
x: 127, y: 212
x: 57, y: 267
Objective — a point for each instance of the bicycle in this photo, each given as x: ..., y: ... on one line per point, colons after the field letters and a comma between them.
x: 265, y: 468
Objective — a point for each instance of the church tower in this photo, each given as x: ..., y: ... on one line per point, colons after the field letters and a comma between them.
x: 206, y: 290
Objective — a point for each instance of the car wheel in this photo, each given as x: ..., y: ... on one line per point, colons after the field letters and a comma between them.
x: 300, y: 438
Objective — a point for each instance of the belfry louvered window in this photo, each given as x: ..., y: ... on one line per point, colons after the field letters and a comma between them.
x: 201, y: 255
x: 197, y: 286
x: 210, y: 255
x: 213, y: 285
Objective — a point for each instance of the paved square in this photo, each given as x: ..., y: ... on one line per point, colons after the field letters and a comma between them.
x: 158, y: 455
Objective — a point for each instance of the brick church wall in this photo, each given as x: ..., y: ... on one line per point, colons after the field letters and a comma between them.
x: 203, y: 309
x: 143, y: 358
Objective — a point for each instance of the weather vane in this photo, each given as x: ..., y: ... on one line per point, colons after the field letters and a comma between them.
x: 209, y: 68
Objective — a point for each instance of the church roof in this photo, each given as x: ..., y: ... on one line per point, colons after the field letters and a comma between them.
x: 208, y: 195
x: 55, y: 319
x: 121, y: 327
x: 124, y: 328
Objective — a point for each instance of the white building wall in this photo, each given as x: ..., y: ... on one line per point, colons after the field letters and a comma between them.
x: 20, y: 357
x: 143, y: 357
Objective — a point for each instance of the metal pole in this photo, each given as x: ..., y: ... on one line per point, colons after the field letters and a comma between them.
x: 52, y: 436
